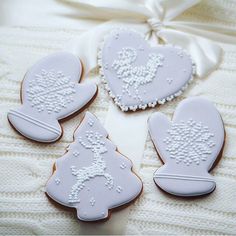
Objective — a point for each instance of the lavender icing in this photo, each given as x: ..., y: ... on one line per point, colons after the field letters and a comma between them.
x: 92, y: 176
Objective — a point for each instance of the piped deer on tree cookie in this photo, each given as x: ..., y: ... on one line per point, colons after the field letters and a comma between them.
x: 92, y: 176
x: 189, y: 146
x: 50, y: 92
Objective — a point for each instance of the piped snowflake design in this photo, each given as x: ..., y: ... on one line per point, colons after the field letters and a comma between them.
x: 97, y: 168
x: 50, y: 91
x: 135, y: 76
x: 189, y: 142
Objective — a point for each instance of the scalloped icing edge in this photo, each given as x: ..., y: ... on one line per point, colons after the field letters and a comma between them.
x: 145, y: 105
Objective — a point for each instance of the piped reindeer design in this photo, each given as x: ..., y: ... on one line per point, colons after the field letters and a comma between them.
x: 98, y: 167
x: 92, y: 176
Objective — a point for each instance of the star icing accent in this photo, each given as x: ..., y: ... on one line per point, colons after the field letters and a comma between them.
x: 92, y: 201
x: 169, y: 80
x: 57, y: 181
x: 90, y: 122
x: 75, y: 153
x: 119, y: 189
x: 123, y: 166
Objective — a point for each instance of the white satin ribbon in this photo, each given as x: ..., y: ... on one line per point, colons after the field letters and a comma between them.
x: 152, y: 17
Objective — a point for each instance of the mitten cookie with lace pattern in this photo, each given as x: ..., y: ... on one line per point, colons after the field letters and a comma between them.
x: 189, y: 146
x: 50, y: 92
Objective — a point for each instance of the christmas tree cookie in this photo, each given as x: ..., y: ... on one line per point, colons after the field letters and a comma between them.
x: 93, y: 176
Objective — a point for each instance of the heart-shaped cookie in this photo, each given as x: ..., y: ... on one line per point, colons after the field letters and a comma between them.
x: 137, y: 75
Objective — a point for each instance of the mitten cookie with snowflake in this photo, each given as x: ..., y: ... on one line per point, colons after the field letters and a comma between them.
x: 50, y: 92
x: 92, y: 176
x: 189, y: 146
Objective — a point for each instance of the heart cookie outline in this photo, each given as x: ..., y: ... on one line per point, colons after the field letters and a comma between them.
x: 155, y: 100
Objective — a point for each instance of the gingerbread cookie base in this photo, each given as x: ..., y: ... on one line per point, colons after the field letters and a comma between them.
x: 50, y: 92
x: 138, y: 76
x: 189, y: 147
x: 92, y: 176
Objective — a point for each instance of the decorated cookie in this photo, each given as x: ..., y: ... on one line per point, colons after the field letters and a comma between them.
x: 92, y: 176
x: 137, y: 75
x: 189, y: 146
x: 50, y: 92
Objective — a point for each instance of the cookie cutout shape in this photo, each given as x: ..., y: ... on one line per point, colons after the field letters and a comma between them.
x: 92, y: 176
x: 189, y: 146
x: 137, y: 75
x: 50, y: 92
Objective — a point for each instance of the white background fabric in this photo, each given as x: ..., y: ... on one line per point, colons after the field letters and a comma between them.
x: 31, y: 29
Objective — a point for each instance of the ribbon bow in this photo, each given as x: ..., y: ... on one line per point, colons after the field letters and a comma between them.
x: 155, y: 19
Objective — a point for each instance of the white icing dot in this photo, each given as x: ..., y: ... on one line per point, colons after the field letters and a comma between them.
x: 90, y: 122
x: 123, y: 166
x: 117, y: 36
x: 75, y: 153
x: 141, y: 48
x: 169, y: 80
x: 106, y: 66
x: 92, y: 201
x: 119, y: 189
x: 57, y: 181
x: 180, y: 53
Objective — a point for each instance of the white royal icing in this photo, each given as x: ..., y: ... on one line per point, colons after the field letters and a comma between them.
x: 50, y: 92
x: 139, y: 76
x: 188, y: 146
x: 189, y: 142
x: 98, y: 179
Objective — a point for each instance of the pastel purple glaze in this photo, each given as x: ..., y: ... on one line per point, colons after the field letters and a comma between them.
x: 188, y: 146
x: 92, y: 176
x: 138, y: 75
x: 50, y: 92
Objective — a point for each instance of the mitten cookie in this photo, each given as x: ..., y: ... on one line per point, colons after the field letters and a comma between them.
x: 50, y: 92
x: 189, y: 146
x: 92, y: 176
x: 137, y: 75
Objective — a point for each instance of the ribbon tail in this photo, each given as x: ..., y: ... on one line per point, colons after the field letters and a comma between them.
x: 174, y: 8
x: 205, y: 53
x: 108, y: 10
x: 86, y: 46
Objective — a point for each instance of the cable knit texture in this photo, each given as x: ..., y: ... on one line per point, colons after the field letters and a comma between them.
x: 25, y: 166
